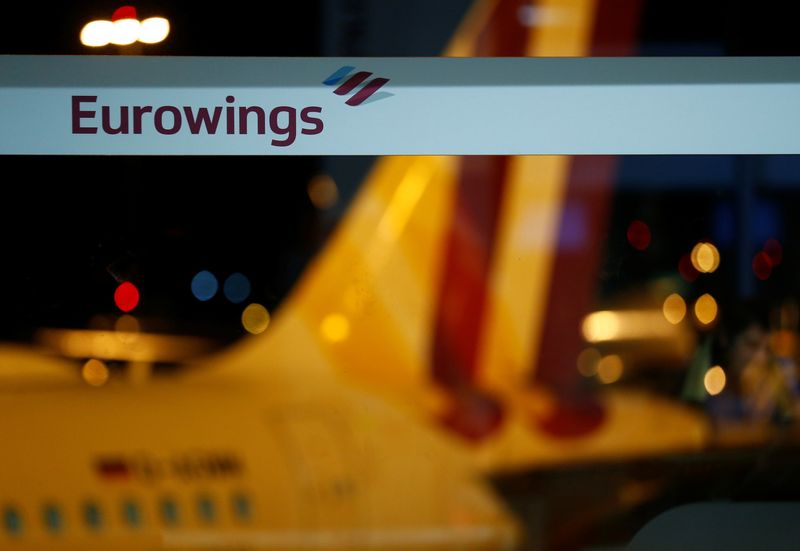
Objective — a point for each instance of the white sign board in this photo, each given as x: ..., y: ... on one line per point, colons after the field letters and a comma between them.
x: 377, y: 106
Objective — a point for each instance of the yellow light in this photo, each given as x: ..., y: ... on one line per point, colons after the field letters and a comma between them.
x: 674, y: 308
x: 95, y: 373
x: 153, y: 30
x: 255, y: 318
x: 127, y: 324
x: 588, y: 360
x: 322, y: 191
x: 601, y: 326
x: 125, y: 31
x: 127, y: 329
x: 335, y: 328
x: 97, y: 33
x: 627, y: 325
x: 75, y: 343
x: 705, y: 309
x: 705, y: 257
x: 609, y: 370
x: 714, y: 380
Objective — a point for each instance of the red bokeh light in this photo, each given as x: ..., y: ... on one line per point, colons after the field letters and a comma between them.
x: 762, y: 265
x: 639, y: 235
x: 125, y: 12
x: 126, y: 297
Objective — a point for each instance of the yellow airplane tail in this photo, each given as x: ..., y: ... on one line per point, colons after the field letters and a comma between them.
x: 457, y: 285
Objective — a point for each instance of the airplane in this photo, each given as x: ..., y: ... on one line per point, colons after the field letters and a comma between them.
x: 428, y: 344
x: 454, y: 287
x: 282, y: 457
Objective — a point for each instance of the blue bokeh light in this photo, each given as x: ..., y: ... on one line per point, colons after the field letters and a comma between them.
x: 204, y: 285
x: 236, y: 288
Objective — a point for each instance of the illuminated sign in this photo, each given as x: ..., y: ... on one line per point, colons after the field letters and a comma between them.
x: 265, y: 106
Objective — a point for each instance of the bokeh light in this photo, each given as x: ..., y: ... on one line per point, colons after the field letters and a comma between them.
x: 95, y: 372
x: 204, y: 285
x: 714, y: 380
x: 255, y: 318
x: 153, y: 30
x: 127, y: 329
x: 705, y: 257
x: 97, y: 33
x: 705, y: 309
x: 609, y: 369
x: 784, y: 343
x: 124, y: 12
x: 125, y: 32
x: 322, y: 191
x: 588, y: 360
x: 124, y: 29
x: 674, y: 308
x: 762, y: 265
x: 335, y: 328
x: 600, y: 326
x: 639, y: 235
x: 126, y: 297
x: 127, y: 324
x: 236, y: 288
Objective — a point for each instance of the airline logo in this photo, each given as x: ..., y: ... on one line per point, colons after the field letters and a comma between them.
x: 349, y: 83
x: 282, y: 124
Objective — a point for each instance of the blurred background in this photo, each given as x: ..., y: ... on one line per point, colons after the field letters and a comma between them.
x: 124, y: 224
x: 689, y: 269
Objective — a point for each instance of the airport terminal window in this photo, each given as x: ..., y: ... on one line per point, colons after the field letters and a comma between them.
x: 169, y: 511
x: 637, y: 383
x: 205, y: 509
x: 12, y: 520
x: 242, y: 508
x: 132, y: 514
x: 53, y: 519
x: 93, y: 516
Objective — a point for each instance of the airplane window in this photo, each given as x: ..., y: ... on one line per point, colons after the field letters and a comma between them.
x: 93, y: 516
x: 12, y: 521
x: 53, y: 519
x: 132, y: 514
x: 169, y: 511
x: 242, y: 508
x: 205, y: 509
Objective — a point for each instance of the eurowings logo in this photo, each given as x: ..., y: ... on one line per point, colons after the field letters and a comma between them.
x: 284, y: 122
x: 354, y: 81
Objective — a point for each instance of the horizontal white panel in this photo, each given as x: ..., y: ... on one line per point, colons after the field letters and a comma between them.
x: 269, y: 106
